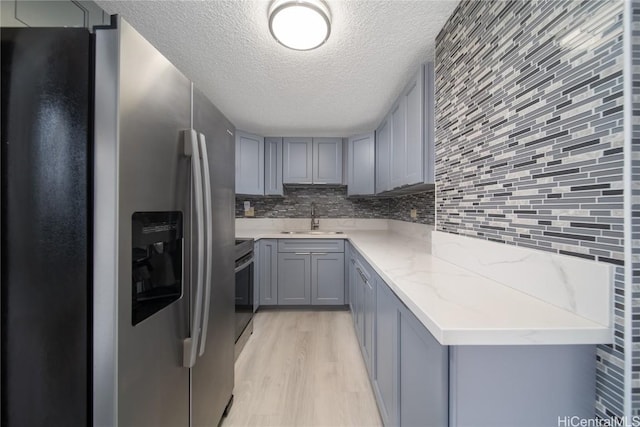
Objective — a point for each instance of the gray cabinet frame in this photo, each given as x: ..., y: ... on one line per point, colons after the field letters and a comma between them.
x: 267, y: 254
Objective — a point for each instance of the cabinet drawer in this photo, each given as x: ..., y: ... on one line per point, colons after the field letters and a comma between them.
x: 310, y: 245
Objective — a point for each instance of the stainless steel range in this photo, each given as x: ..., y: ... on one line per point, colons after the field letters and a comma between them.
x: 244, y: 292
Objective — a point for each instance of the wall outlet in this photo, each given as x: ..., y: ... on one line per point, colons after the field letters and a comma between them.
x: 414, y: 213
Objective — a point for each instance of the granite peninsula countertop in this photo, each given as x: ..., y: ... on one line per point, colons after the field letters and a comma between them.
x: 458, y: 306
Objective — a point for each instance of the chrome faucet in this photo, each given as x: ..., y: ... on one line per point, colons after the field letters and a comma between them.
x: 315, y: 222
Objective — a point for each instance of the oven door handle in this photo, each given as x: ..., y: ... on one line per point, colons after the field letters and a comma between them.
x: 209, y: 234
x: 245, y: 265
x: 190, y: 344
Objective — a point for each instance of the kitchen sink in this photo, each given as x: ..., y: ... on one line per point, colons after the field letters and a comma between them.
x: 315, y: 232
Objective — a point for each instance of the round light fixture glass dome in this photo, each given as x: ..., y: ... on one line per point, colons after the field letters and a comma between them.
x: 300, y: 24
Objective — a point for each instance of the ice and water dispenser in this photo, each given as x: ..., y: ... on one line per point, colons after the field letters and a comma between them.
x: 157, y: 262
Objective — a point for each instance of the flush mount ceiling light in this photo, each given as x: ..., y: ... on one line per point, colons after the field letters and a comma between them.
x: 300, y: 24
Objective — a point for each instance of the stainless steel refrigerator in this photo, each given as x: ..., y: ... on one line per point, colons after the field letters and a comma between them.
x: 117, y: 235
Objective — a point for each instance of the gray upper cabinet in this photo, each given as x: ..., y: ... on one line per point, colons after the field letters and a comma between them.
x: 398, y: 143
x: 383, y: 155
x: 267, y: 267
x: 297, y: 161
x: 294, y: 278
x: 327, y: 160
x: 405, y: 138
x: 414, y: 133
x: 62, y: 13
x: 327, y: 278
x: 273, y: 167
x: 361, y: 165
x: 312, y: 161
x: 249, y: 164
x: 429, y: 124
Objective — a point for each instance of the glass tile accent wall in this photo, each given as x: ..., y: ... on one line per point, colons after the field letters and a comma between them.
x: 529, y: 139
x: 635, y: 146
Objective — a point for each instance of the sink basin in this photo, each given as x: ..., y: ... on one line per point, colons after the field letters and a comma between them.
x: 315, y: 232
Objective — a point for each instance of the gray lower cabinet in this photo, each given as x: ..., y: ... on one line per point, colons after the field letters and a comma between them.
x: 351, y: 284
x: 347, y: 252
x: 365, y: 311
x: 385, y: 374
x: 294, y: 278
x: 423, y: 380
x: 521, y: 385
x: 256, y: 276
x: 419, y: 382
x: 310, y: 272
x: 410, y: 375
x: 267, y: 267
x: 358, y: 303
x: 369, y: 323
x: 327, y: 278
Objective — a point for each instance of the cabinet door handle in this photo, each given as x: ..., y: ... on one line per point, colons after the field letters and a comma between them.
x: 303, y: 253
x: 190, y: 345
x: 319, y: 253
x: 206, y: 187
x: 362, y: 275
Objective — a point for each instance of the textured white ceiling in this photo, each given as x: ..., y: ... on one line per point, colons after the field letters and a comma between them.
x: 342, y: 88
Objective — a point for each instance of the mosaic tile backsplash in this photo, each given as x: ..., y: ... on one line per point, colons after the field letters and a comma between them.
x: 529, y: 142
x: 332, y: 202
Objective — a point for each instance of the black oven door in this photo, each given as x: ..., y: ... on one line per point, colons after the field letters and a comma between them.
x: 244, y: 293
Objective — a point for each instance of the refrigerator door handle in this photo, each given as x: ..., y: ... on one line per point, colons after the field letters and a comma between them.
x: 190, y: 345
x: 209, y: 233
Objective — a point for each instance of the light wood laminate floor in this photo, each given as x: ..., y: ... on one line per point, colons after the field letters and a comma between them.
x: 302, y: 368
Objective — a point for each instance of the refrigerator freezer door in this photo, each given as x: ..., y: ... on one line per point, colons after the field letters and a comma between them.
x: 212, y: 375
x: 142, y: 106
x: 45, y: 226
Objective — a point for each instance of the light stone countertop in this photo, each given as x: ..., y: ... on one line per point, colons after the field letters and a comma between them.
x: 458, y: 306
